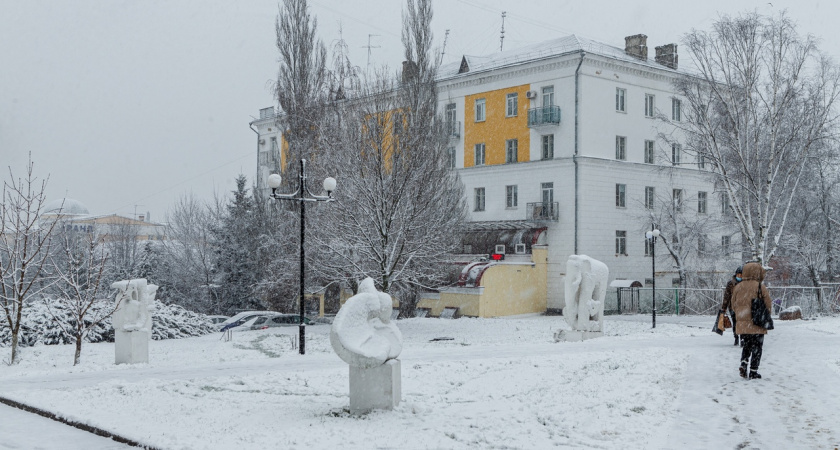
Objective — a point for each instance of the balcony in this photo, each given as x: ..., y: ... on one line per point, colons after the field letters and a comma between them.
x: 453, y: 129
x: 267, y: 113
x: 541, y: 211
x: 545, y: 115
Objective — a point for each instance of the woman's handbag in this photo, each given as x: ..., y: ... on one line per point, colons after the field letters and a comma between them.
x: 716, y: 328
x: 726, y: 322
x: 760, y: 314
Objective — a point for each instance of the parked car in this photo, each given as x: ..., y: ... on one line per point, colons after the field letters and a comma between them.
x: 282, y: 320
x: 215, y: 320
x: 244, y: 315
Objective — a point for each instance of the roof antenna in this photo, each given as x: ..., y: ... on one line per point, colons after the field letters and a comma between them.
x: 445, y: 38
x: 368, y: 47
x: 502, y: 36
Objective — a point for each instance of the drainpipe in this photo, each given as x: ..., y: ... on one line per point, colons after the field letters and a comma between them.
x: 575, y: 156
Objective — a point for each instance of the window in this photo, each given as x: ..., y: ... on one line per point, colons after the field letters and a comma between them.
x: 678, y: 198
x: 724, y: 204
x: 479, y: 154
x: 511, y: 151
x: 451, y: 123
x: 648, y: 247
x: 548, y: 96
x: 701, y: 202
x: 620, y: 195
x: 620, y: 148
x: 512, y: 105
x: 650, y: 194
x: 676, y: 109
x: 620, y: 95
x: 648, y: 152
x: 701, y: 162
x: 621, y: 242
x: 725, y: 243
x: 676, y: 154
x: 479, y: 199
x: 649, y: 105
x: 547, y: 193
x: 701, y: 243
x: 548, y: 146
x: 511, y: 196
x: 480, y: 110
x: 450, y: 157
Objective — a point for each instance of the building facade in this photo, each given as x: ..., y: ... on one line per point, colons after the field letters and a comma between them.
x: 568, y: 146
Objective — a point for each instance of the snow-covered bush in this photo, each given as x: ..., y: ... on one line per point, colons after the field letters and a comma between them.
x: 38, y: 326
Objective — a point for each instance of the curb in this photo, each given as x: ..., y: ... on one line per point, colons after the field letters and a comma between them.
x: 74, y: 424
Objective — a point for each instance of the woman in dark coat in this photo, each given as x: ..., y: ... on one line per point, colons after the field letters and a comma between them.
x: 727, y: 301
x: 752, y: 335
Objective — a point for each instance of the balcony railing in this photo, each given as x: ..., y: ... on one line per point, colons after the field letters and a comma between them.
x: 453, y: 129
x: 545, y: 115
x: 542, y: 211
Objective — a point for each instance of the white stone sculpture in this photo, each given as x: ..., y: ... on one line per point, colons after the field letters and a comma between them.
x: 364, y: 336
x: 132, y: 321
x: 586, y: 287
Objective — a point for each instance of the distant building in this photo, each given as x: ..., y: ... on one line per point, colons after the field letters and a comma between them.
x: 75, y: 216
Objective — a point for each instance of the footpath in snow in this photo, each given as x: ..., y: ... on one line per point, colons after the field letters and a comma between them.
x: 497, y: 383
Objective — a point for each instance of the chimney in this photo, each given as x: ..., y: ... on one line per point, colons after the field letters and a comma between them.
x: 409, y: 71
x: 636, y: 46
x: 667, y: 55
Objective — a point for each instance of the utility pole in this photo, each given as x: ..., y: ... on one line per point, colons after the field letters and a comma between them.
x: 502, y: 36
x: 445, y: 38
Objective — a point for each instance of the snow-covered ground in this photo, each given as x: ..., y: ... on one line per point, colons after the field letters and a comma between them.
x: 497, y: 383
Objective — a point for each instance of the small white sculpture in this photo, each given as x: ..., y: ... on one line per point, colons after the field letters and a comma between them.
x: 586, y: 287
x: 363, y: 335
x: 131, y: 320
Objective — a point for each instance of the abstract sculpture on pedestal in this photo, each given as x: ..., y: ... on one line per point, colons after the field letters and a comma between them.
x: 132, y: 321
x: 586, y: 288
x: 364, y: 337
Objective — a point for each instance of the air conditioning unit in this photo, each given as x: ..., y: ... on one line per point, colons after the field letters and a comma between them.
x: 500, y: 249
x: 531, y: 94
x: 520, y: 249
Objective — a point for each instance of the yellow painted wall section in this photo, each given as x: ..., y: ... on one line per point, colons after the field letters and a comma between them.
x: 496, y: 128
x: 468, y: 304
x: 509, y: 289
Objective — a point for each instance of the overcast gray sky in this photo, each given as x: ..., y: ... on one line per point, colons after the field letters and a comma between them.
x: 128, y: 105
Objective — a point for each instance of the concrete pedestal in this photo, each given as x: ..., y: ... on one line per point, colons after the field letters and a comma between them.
x: 576, y: 336
x: 375, y: 388
x: 131, y: 347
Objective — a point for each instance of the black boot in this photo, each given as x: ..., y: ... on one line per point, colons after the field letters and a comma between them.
x: 737, y: 341
x: 743, y: 369
x: 754, y: 375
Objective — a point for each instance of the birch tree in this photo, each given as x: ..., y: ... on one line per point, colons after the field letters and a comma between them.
x: 24, y: 247
x: 762, y: 98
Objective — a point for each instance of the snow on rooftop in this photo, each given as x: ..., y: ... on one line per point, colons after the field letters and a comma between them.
x: 555, y: 47
x: 66, y: 206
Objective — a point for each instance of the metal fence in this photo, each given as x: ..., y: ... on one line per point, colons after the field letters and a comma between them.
x: 813, y: 301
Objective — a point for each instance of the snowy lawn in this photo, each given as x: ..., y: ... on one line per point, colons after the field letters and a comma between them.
x: 497, y: 383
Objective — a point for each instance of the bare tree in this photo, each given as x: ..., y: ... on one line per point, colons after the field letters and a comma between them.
x: 79, y: 266
x: 400, y: 208
x: 762, y: 99
x: 24, y: 247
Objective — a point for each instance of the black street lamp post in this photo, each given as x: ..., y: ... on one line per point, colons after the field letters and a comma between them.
x: 651, y: 236
x: 300, y: 197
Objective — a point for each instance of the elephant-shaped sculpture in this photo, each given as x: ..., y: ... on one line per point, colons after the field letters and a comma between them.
x: 586, y: 287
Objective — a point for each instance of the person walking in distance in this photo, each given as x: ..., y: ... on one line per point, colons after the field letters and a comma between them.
x: 727, y: 302
x: 752, y: 335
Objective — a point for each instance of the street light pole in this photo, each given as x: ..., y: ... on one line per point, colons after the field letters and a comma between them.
x: 300, y: 196
x: 652, y: 235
